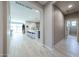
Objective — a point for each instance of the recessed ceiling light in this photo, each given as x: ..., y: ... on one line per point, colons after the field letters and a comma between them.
x: 70, y: 6
x: 36, y: 11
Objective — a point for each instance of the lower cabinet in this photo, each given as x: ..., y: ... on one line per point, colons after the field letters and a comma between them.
x: 33, y: 34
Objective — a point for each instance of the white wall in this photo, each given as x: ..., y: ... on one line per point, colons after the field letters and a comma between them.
x: 1, y: 29
x: 59, y: 31
x: 53, y: 25
x: 49, y: 25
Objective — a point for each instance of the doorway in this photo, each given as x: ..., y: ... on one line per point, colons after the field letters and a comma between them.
x: 70, y: 11
x: 71, y: 28
x: 27, y: 16
x: 31, y: 17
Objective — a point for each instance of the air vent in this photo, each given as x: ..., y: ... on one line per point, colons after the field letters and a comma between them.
x: 22, y: 5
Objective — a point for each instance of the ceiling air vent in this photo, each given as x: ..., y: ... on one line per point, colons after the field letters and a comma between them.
x: 23, y: 5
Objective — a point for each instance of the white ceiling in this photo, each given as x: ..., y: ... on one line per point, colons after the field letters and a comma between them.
x: 21, y: 13
x: 63, y: 5
x: 42, y: 2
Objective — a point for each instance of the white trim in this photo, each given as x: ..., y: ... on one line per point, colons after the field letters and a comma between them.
x: 51, y: 49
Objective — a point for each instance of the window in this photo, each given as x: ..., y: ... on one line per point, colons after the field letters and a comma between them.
x: 15, y: 27
x: 73, y: 23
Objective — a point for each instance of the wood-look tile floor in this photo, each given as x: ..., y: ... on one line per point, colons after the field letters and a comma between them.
x: 69, y: 46
x: 23, y: 46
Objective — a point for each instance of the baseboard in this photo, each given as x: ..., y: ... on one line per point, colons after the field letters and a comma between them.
x: 39, y: 42
x: 50, y: 49
x: 43, y: 45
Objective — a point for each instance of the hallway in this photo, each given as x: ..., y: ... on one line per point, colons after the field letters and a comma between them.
x: 23, y: 46
x: 68, y: 46
x: 46, y: 27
